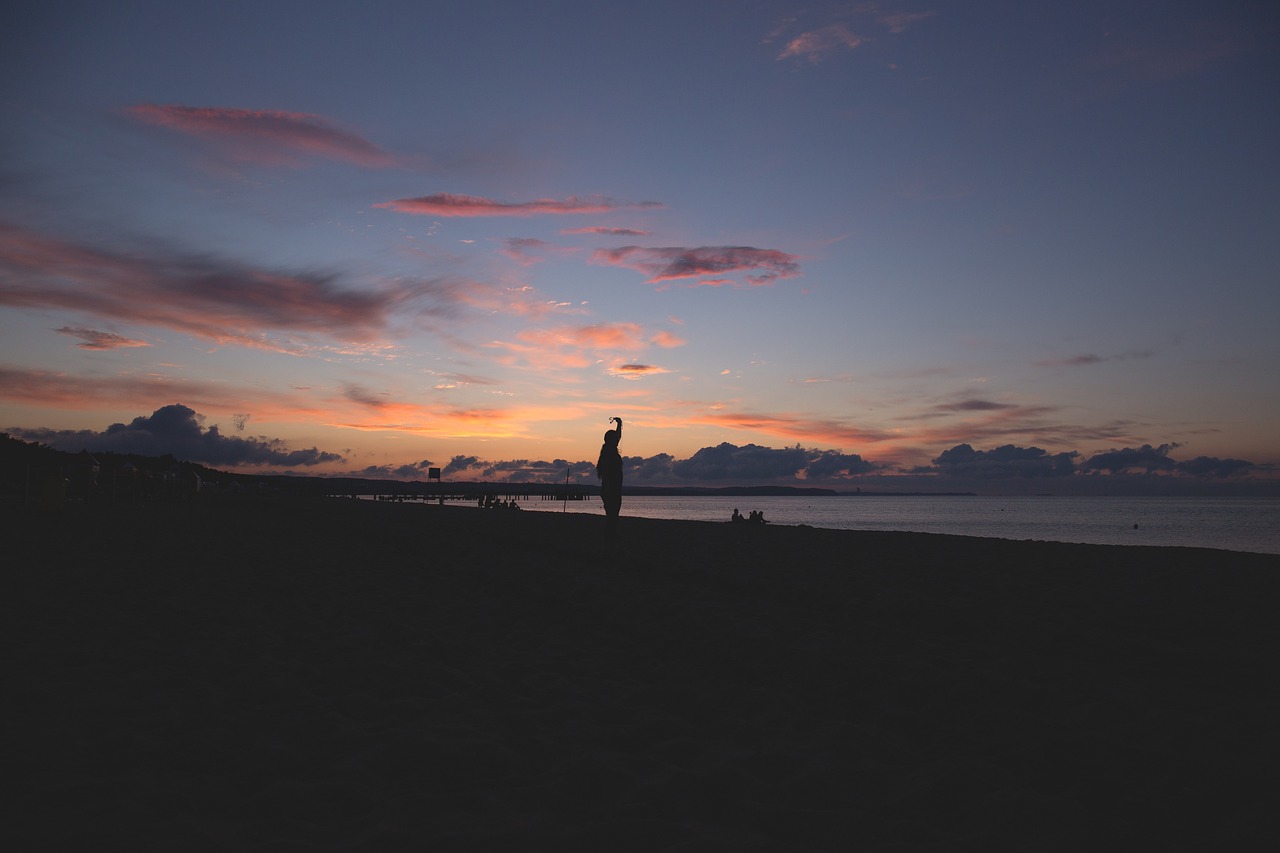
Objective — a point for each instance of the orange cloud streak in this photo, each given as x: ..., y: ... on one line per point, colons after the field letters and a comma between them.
x: 87, y: 394
x: 797, y: 428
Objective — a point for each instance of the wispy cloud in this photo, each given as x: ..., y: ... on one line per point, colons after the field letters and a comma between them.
x: 607, y: 232
x: 668, y: 340
x: 672, y: 263
x: 528, y: 251
x: 582, y: 346
x: 449, y: 204
x: 974, y: 405
x: 606, y: 336
x: 636, y: 371
x: 197, y: 294
x: 490, y: 422
x: 896, y: 22
x: 981, y: 421
x: 357, y: 393
x: 269, y: 137
x: 1086, y: 359
x: 916, y: 436
x: 45, y: 388
x: 816, y: 45
x: 385, y: 411
x: 798, y: 428
x: 92, y: 339
x: 519, y: 301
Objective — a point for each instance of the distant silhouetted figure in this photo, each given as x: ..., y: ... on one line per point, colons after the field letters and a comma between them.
x: 609, y: 470
x: 737, y: 516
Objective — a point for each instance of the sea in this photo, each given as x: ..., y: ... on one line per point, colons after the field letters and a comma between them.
x: 1233, y: 524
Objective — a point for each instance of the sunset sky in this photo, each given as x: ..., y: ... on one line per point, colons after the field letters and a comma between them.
x: 843, y: 244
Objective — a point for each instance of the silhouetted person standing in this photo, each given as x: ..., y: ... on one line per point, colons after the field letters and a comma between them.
x: 609, y: 470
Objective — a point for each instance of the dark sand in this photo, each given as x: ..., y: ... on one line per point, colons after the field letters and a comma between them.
x: 303, y: 675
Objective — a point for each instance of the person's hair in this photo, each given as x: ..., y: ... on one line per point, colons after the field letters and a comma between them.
x: 611, y: 437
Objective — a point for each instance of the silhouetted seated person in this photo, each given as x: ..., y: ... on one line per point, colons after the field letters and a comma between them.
x: 757, y: 516
x: 737, y: 516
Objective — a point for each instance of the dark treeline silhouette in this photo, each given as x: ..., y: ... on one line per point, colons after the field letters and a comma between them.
x: 31, y: 472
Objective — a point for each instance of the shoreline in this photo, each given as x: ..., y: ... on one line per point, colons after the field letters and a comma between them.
x: 306, y: 674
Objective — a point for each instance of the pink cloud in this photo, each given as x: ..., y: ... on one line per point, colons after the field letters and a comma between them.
x: 817, y: 44
x: 671, y: 263
x: 448, y: 204
x: 582, y: 346
x: 668, y: 340
x: 92, y: 339
x: 607, y: 336
x: 273, y: 137
x: 196, y: 295
x: 523, y: 301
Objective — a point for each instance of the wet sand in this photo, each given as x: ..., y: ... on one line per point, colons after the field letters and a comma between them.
x: 277, y: 674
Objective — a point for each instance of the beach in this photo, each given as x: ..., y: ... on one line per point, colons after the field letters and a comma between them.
x: 274, y: 673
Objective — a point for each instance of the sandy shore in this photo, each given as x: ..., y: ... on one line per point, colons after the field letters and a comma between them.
x: 305, y: 675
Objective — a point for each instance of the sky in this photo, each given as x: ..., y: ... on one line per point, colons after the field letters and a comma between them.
x: 875, y: 244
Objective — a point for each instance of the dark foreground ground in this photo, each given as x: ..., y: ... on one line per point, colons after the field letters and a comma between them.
x: 309, y: 675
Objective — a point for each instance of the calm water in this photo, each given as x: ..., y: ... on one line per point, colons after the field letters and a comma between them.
x: 1235, y: 524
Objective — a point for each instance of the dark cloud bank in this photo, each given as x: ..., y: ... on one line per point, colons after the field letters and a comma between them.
x: 1003, y: 470
x: 1009, y: 469
x: 177, y: 430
